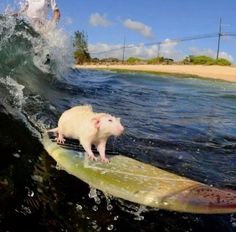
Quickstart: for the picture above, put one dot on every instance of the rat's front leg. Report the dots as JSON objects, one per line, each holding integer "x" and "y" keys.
{"x": 87, "y": 147}
{"x": 101, "y": 147}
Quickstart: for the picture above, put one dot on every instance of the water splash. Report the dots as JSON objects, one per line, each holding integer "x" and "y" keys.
{"x": 135, "y": 210}
{"x": 93, "y": 194}
{"x": 25, "y": 76}
{"x": 15, "y": 90}
{"x": 50, "y": 51}
{"x": 60, "y": 48}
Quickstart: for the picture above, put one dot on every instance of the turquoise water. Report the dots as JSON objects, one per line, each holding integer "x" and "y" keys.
{"x": 184, "y": 125}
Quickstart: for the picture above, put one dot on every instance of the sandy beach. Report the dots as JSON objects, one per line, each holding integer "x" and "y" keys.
{"x": 225, "y": 73}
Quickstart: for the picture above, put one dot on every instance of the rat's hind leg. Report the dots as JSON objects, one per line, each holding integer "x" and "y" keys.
{"x": 60, "y": 138}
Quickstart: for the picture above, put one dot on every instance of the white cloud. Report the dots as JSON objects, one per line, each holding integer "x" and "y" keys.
{"x": 103, "y": 50}
{"x": 226, "y": 56}
{"x": 168, "y": 50}
{"x": 97, "y": 19}
{"x": 209, "y": 52}
{"x": 139, "y": 27}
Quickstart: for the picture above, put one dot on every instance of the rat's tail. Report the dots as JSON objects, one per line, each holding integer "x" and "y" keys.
{"x": 55, "y": 130}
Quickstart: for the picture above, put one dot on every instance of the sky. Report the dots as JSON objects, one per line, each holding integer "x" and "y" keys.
{"x": 109, "y": 24}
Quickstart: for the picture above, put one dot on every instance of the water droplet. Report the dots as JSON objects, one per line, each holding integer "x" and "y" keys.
{"x": 30, "y": 193}
{"x": 116, "y": 218}
{"x": 16, "y": 155}
{"x": 78, "y": 207}
{"x": 109, "y": 207}
{"x": 95, "y": 208}
{"x": 39, "y": 190}
{"x": 110, "y": 227}
{"x": 25, "y": 210}
{"x": 37, "y": 178}
{"x": 139, "y": 218}
{"x": 97, "y": 200}
{"x": 94, "y": 222}
{"x": 59, "y": 167}
{"x": 92, "y": 193}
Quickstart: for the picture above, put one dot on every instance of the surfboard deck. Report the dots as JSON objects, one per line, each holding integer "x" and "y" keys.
{"x": 142, "y": 183}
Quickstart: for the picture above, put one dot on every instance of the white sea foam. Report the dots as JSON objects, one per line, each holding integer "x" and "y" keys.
{"x": 53, "y": 42}
{"x": 60, "y": 48}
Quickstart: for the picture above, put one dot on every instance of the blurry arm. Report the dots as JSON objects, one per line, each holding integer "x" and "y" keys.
{"x": 56, "y": 11}
{"x": 56, "y": 15}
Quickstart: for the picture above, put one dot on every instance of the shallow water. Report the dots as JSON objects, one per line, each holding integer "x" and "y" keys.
{"x": 184, "y": 125}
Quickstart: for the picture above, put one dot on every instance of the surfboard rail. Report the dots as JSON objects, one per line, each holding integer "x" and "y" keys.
{"x": 141, "y": 183}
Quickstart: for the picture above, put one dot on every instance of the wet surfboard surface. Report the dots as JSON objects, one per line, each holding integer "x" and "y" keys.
{"x": 141, "y": 183}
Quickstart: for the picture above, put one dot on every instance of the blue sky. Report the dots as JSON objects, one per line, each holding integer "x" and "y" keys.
{"x": 108, "y": 22}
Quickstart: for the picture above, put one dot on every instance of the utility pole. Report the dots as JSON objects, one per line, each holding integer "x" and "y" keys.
{"x": 123, "y": 57}
{"x": 219, "y": 37}
{"x": 158, "y": 49}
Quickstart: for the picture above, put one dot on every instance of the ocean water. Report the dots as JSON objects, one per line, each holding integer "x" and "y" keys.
{"x": 183, "y": 125}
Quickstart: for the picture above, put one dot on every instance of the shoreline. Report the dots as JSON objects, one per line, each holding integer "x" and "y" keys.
{"x": 215, "y": 72}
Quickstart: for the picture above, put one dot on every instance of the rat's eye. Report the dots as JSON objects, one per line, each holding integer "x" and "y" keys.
{"x": 110, "y": 120}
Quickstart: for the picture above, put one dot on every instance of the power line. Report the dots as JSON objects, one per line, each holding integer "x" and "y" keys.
{"x": 159, "y": 43}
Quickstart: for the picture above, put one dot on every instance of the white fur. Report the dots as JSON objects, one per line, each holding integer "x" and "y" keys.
{"x": 80, "y": 122}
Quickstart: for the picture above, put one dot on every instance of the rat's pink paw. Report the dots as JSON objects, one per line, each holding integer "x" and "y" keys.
{"x": 60, "y": 140}
{"x": 92, "y": 157}
{"x": 104, "y": 160}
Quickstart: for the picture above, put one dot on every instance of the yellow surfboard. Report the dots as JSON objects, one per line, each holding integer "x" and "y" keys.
{"x": 141, "y": 183}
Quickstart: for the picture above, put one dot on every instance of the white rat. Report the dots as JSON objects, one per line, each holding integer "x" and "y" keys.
{"x": 80, "y": 122}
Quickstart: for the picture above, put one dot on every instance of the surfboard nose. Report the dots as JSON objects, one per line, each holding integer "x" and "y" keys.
{"x": 205, "y": 199}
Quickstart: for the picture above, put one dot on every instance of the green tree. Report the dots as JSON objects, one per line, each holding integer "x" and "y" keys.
{"x": 205, "y": 60}
{"x": 81, "y": 53}
{"x": 133, "y": 60}
{"x": 223, "y": 62}
{"x": 156, "y": 60}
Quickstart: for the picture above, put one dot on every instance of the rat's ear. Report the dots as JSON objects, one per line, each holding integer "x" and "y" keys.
{"x": 96, "y": 122}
